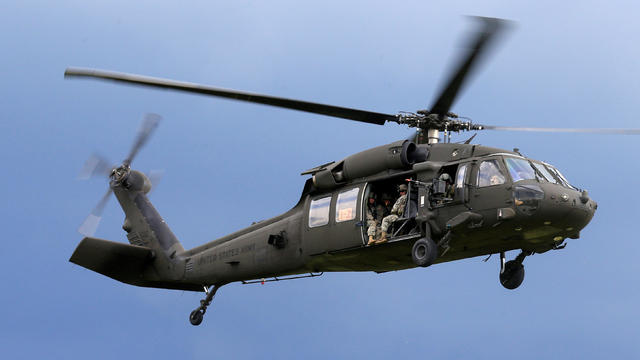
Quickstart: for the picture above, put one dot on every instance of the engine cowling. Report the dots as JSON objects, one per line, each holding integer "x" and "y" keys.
{"x": 397, "y": 155}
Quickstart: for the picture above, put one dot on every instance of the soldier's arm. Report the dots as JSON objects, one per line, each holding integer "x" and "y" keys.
{"x": 396, "y": 206}
{"x": 402, "y": 203}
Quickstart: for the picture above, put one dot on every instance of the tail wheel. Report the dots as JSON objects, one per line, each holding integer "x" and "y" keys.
{"x": 196, "y": 316}
{"x": 424, "y": 252}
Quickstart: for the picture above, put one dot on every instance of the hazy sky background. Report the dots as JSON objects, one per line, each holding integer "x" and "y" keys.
{"x": 228, "y": 164}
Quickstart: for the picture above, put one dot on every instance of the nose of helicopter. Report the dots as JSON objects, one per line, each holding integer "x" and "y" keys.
{"x": 582, "y": 210}
{"x": 572, "y": 208}
{"x": 553, "y": 211}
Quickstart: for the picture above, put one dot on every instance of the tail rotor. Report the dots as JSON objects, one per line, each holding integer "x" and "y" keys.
{"x": 98, "y": 166}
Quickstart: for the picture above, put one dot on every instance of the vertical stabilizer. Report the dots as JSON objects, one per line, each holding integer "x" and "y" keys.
{"x": 144, "y": 225}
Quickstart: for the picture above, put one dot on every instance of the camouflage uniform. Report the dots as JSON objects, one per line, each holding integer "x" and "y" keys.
{"x": 396, "y": 212}
{"x": 372, "y": 219}
{"x": 375, "y": 214}
{"x": 384, "y": 209}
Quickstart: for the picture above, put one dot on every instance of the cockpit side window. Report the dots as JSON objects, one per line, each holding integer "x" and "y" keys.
{"x": 519, "y": 169}
{"x": 489, "y": 174}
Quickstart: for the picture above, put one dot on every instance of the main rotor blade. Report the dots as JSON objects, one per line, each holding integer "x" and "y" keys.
{"x": 90, "y": 224}
{"x": 566, "y": 130}
{"x": 149, "y": 124}
{"x": 476, "y": 48}
{"x": 316, "y": 108}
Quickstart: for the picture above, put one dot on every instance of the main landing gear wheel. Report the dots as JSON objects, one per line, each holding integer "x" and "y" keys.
{"x": 512, "y": 272}
{"x": 513, "y": 275}
{"x": 424, "y": 252}
{"x": 197, "y": 315}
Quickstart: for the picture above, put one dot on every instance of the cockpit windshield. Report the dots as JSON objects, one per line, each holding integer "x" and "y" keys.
{"x": 545, "y": 173}
{"x": 552, "y": 175}
{"x": 524, "y": 169}
{"x": 563, "y": 180}
{"x": 519, "y": 169}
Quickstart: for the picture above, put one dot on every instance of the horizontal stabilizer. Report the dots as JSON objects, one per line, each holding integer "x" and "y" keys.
{"x": 119, "y": 261}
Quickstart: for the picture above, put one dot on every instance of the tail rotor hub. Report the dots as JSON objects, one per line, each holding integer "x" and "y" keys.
{"x": 120, "y": 174}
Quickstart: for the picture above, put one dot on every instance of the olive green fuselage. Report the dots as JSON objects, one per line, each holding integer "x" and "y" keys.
{"x": 288, "y": 245}
{"x": 471, "y": 200}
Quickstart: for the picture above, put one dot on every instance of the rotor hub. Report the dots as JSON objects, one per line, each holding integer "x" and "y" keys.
{"x": 120, "y": 174}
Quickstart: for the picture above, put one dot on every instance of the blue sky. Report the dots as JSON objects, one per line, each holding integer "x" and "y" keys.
{"x": 228, "y": 164}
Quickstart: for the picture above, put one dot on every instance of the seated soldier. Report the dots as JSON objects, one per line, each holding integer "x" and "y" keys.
{"x": 372, "y": 218}
{"x": 396, "y": 212}
{"x": 384, "y": 209}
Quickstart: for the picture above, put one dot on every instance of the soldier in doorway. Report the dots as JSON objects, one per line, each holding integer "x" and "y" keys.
{"x": 384, "y": 209}
{"x": 396, "y": 212}
{"x": 372, "y": 218}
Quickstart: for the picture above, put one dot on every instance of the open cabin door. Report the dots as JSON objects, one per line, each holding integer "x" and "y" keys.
{"x": 385, "y": 194}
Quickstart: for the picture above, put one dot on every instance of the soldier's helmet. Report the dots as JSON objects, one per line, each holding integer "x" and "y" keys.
{"x": 372, "y": 195}
{"x": 445, "y": 177}
{"x": 402, "y": 187}
{"x": 386, "y": 196}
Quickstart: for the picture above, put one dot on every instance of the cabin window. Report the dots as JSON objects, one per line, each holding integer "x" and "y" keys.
{"x": 489, "y": 174}
{"x": 346, "y": 205}
{"x": 519, "y": 169}
{"x": 319, "y": 212}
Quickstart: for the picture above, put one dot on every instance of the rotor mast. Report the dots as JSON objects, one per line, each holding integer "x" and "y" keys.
{"x": 433, "y": 136}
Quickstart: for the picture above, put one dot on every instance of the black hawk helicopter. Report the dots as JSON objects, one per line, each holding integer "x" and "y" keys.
{"x": 458, "y": 200}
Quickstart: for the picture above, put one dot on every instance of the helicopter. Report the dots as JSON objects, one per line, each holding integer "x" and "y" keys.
{"x": 452, "y": 201}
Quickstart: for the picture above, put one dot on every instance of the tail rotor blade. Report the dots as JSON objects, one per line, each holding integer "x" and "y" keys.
{"x": 96, "y": 165}
{"x": 90, "y": 225}
{"x": 148, "y": 125}
{"x": 154, "y": 177}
